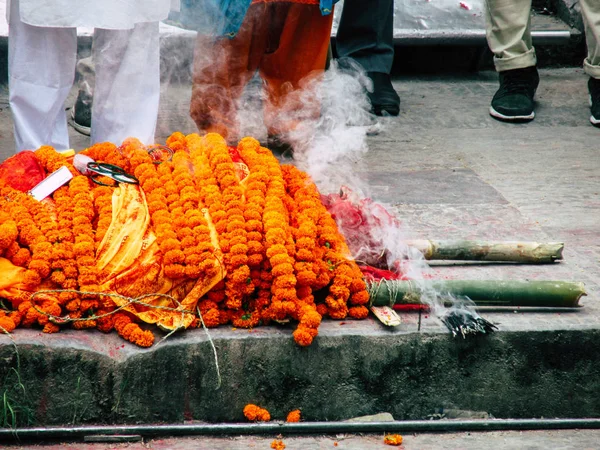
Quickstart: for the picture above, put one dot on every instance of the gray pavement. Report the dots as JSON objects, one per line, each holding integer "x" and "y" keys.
{"x": 500, "y": 440}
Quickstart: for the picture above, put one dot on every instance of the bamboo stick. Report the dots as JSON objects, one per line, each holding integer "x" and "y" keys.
{"x": 514, "y": 251}
{"x": 556, "y": 294}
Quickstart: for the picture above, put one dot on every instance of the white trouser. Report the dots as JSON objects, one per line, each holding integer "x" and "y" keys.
{"x": 590, "y": 10}
{"x": 41, "y": 73}
{"x": 508, "y": 34}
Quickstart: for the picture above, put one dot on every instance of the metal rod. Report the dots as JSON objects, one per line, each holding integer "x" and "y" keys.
{"x": 409, "y": 38}
{"x": 423, "y": 426}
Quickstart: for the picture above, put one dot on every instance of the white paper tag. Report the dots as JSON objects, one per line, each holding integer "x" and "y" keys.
{"x": 386, "y": 315}
{"x": 51, "y": 183}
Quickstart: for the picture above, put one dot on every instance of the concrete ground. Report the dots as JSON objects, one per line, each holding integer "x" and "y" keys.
{"x": 501, "y": 440}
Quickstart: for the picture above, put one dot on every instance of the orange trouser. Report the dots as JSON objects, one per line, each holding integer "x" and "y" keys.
{"x": 287, "y": 43}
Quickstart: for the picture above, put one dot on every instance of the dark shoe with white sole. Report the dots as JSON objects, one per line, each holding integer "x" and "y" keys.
{"x": 81, "y": 115}
{"x": 513, "y": 102}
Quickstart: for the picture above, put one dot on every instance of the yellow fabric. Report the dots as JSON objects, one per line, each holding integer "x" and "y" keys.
{"x": 129, "y": 263}
{"x": 11, "y": 286}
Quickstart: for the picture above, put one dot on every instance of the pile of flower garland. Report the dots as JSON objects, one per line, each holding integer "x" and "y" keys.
{"x": 281, "y": 251}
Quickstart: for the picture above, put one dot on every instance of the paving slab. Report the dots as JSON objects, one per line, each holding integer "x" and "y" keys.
{"x": 447, "y": 170}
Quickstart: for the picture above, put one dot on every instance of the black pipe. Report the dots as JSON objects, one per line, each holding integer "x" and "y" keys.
{"x": 421, "y": 426}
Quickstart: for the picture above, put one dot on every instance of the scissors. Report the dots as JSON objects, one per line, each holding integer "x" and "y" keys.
{"x": 111, "y": 171}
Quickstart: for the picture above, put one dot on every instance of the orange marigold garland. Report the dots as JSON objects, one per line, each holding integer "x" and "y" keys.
{"x": 106, "y": 152}
{"x": 24, "y": 210}
{"x": 211, "y": 198}
{"x": 84, "y": 247}
{"x": 234, "y": 246}
{"x": 306, "y": 206}
{"x": 276, "y": 227}
{"x": 162, "y": 197}
{"x": 131, "y": 331}
{"x": 7, "y": 324}
{"x": 191, "y": 226}
{"x": 279, "y": 244}
{"x": 102, "y": 198}
{"x": 256, "y": 190}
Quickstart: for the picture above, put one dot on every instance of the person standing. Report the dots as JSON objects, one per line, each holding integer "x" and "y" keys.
{"x": 284, "y": 41}
{"x": 42, "y": 58}
{"x": 508, "y": 34}
{"x": 366, "y": 35}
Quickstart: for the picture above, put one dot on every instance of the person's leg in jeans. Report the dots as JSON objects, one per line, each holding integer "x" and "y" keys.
{"x": 127, "y": 90}
{"x": 41, "y": 73}
{"x": 366, "y": 35}
{"x": 508, "y": 35}
{"x": 590, "y": 10}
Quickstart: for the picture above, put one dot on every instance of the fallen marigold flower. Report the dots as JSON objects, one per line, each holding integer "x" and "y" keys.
{"x": 277, "y": 445}
{"x": 293, "y": 416}
{"x": 256, "y": 413}
{"x": 393, "y": 439}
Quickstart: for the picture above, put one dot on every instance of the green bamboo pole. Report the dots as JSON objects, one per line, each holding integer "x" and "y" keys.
{"x": 556, "y": 294}
{"x": 513, "y": 251}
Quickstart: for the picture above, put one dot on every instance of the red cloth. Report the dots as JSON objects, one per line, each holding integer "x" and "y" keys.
{"x": 286, "y": 42}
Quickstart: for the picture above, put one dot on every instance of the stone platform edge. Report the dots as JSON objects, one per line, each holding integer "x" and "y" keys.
{"x": 352, "y": 369}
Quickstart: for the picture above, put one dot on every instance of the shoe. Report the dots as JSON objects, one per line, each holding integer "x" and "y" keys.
{"x": 384, "y": 98}
{"x": 594, "y": 90}
{"x": 81, "y": 115}
{"x": 281, "y": 148}
{"x": 514, "y": 99}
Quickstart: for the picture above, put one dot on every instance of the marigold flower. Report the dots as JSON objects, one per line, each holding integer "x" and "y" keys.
{"x": 293, "y": 416}
{"x": 393, "y": 439}
{"x": 7, "y": 325}
{"x": 277, "y": 445}
{"x": 303, "y": 337}
{"x": 256, "y": 413}
{"x": 358, "y": 312}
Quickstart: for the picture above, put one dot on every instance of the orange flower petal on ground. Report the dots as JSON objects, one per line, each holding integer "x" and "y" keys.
{"x": 393, "y": 439}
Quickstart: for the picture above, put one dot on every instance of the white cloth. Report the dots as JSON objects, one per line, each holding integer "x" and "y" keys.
{"x": 41, "y": 74}
{"x": 109, "y": 14}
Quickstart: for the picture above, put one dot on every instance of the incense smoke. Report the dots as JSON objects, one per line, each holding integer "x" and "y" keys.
{"x": 330, "y": 146}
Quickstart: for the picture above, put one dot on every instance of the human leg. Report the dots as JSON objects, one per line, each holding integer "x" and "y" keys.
{"x": 366, "y": 35}
{"x": 41, "y": 72}
{"x": 295, "y": 60}
{"x": 590, "y": 10}
{"x": 127, "y": 90}
{"x": 222, "y": 69}
{"x": 81, "y": 113}
{"x": 508, "y": 32}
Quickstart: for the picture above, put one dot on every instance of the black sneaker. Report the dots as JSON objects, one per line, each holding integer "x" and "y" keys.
{"x": 514, "y": 99}
{"x": 384, "y": 98}
{"x": 594, "y": 90}
{"x": 81, "y": 115}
